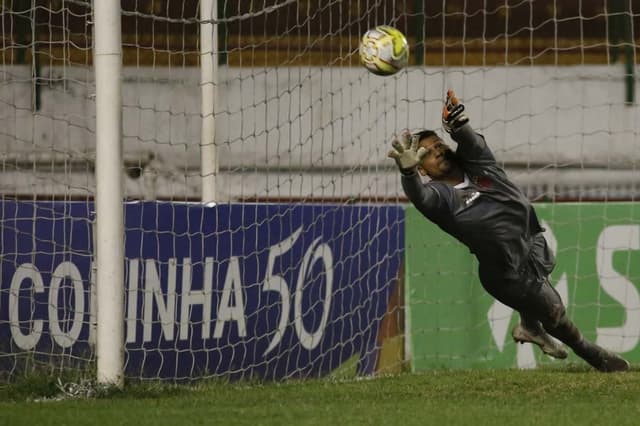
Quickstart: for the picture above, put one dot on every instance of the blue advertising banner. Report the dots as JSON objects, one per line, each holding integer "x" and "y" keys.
{"x": 240, "y": 290}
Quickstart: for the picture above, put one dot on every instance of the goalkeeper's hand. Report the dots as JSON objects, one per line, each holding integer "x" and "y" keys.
{"x": 406, "y": 152}
{"x": 453, "y": 116}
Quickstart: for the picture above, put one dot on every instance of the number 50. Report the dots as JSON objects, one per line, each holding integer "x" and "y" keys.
{"x": 277, "y": 283}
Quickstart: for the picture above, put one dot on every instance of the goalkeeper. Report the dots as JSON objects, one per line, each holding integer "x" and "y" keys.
{"x": 471, "y": 198}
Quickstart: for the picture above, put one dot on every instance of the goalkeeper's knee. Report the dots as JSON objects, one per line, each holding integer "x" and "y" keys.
{"x": 548, "y": 303}
{"x": 567, "y": 332}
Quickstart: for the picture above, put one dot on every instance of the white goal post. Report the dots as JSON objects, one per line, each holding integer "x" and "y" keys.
{"x": 109, "y": 244}
{"x": 208, "y": 78}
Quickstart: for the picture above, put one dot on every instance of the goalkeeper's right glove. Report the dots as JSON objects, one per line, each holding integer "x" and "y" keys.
{"x": 453, "y": 116}
{"x": 406, "y": 152}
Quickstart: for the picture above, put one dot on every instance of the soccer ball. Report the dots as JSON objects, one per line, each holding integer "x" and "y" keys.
{"x": 384, "y": 50}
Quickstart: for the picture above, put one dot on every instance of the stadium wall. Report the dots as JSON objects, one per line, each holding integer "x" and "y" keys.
{"x": 295, "y": 132}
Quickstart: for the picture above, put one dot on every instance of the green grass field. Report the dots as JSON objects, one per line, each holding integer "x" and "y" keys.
{"x": 505, "y": 397}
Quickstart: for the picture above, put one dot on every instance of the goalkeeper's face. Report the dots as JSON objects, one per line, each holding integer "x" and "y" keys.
{"x": 438, "y": 161}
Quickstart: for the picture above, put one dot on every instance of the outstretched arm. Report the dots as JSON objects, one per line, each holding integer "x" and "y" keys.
{"x": 424, "y": 197}
{"x": 471, "y": 145}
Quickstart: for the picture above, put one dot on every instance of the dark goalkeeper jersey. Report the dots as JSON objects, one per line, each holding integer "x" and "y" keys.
{"x": 487, "y": 213}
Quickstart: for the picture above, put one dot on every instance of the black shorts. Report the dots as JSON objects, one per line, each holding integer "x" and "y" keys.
{"x": 530, "y": 292}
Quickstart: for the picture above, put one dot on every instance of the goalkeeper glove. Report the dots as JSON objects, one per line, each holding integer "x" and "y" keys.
{"x": 453, "y": 116}
{"x": 406, "y": 152}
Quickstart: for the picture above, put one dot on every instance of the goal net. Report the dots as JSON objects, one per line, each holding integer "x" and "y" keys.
{"x": 286, "y": 272}
{"x": 264, "y": 225}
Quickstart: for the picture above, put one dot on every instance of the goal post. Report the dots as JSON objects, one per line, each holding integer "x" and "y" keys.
{"x": 208, "y": 78}
{"x": 109, "y": 195}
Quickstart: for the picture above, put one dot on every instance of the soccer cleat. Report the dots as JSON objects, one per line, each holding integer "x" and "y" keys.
{"x": 612, "y": 362}
{"x": 604, "y": 360}
{"x": 543, "y": 340}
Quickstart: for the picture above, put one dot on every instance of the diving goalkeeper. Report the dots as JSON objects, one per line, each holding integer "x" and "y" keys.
{"x": 471, "y": 198}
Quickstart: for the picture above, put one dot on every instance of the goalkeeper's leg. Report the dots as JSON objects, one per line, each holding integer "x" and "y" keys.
{"x": 596, "y": 356}
{"x": 547, "y": 306}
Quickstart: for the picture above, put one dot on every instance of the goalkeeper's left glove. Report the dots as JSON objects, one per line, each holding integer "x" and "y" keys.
{"x": 453, "y": 116}
{"x": 406, "y": 152}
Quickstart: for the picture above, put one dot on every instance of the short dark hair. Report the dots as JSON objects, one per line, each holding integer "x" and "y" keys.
{"x": 423, "y": 134}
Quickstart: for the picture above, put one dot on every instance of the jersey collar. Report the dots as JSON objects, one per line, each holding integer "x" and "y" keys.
{"x": 464, "y": 183}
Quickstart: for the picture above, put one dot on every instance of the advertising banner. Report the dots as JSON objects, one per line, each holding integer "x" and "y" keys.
{"x": 239, "y": 290}
{"x": 453, "y": 323}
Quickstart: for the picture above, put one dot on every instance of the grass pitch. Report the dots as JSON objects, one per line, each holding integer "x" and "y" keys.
{"x": 570, "y": 396}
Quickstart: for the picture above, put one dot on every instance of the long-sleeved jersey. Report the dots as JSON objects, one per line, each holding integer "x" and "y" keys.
{"x": 488, "y": 213}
